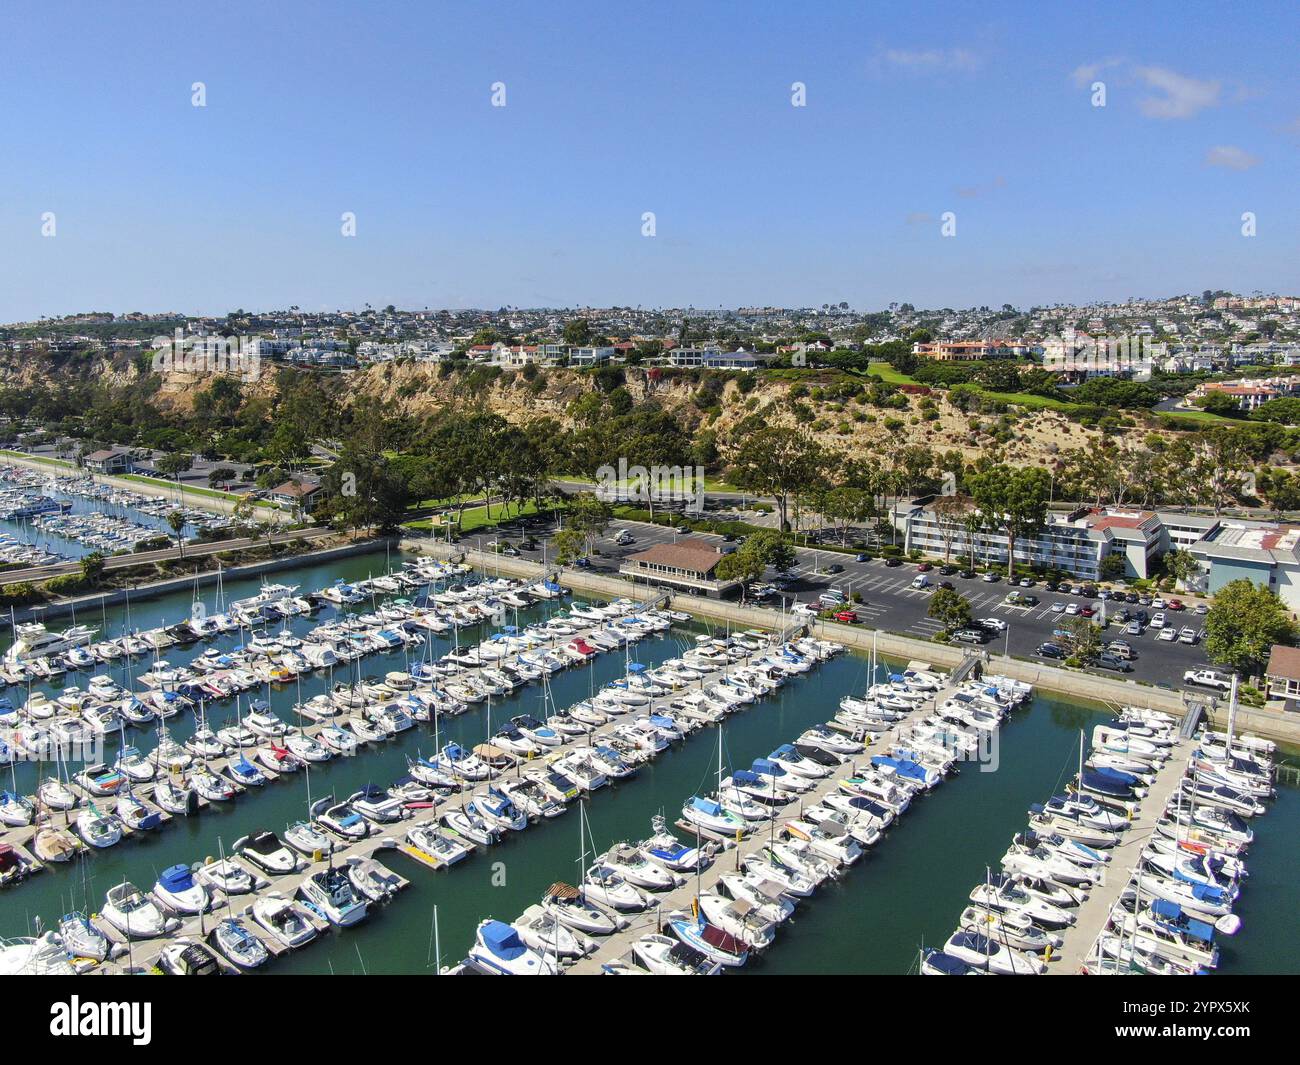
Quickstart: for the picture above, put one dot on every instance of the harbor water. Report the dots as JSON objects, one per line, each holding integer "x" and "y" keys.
{"x": 907, "y": 892}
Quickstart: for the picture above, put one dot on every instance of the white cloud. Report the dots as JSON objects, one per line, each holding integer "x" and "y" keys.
{"x": 1179, "y": 96}
{"x": 1086, "y": 73}
{"x": 932, "y": 60}
{"x": 1231, "y": 157}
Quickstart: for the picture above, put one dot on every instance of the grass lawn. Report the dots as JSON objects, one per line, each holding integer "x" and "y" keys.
{"x": 1198, "y": 416}
{"x": 475, "y": 519}
{"x": 889, "y": 375}
{"x": 38, "y": 458}
{"x": 211, "y": 493}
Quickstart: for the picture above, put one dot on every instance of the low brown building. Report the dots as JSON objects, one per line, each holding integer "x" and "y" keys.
{"x": 688, "y": 563}
{"x": 1283, "y": 675}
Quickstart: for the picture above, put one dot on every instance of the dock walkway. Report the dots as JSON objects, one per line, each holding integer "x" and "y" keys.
{"x": 1095, "y": 909}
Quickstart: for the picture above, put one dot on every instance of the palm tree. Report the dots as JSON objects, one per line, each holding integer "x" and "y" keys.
{"x": 177, "y": 521}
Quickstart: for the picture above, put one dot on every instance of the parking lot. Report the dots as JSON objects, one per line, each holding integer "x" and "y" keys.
{"x": 890, "y": 602}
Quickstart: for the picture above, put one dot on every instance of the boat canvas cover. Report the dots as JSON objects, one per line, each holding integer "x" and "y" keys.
{"x": 767, "y": 768}
{"x": 8, "y": 857}
{"x": 707, "y": 806}
{"x": 176, "y": 878}
{"x": 1171, "y": 913}
{"x": 723, "y": 941}
{"x": 502, "y": 940}
{"x": 744, "y": 776}
{"x": 1095, "y": 781}
{"x": 947, "y": 964}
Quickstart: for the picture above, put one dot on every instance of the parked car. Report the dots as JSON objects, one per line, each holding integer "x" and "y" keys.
{"x": 924, "y": 567}
{"x": 1027, "y": 582}
{"x": 1051, "y": 650}
{"x": 1059, "y": 608}
{"x": 1111, "y": 662}
{"x": 948, "y": 569}
{"x": 990, "y": 578}
{"x": 1086, "y": 612}
{"x": 1202, "y": 609}
{"x": 969, "y": 636}
{"x": 948, "y": 585}
{"x": 833, "y": 597}
{"x": 921, "y": 583}
{"x": 1174, "y": 604}
{"x": 834, "y": 568}
{"x": 1120, "y": 649}
{"x": 625, "y": 539}
{"x": 992, "y": 624}
{"x": 893, "y": 562}
{"x": 1186, "y": 635}
{"x": 1168, "y": 635}
{"x": 1072, "y": 609}
{"x": 966, "y": 574}
{"x": 849, "y": 617}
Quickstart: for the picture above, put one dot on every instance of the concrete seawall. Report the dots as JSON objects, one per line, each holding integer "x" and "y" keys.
{"x": 1078, "y": 685}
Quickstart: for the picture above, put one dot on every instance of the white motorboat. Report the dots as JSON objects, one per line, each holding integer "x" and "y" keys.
{"x": 286, "y": 920}
{"x": 498, "y": 950}
{"x": 238, "y": 945}
{"x": 132, "y": 913}
{"x": 981, "y": 952}
{"x": 566, "y": 905}
{"x": 98, "y": 829}
{"x": 331, "y": 893}
{"x": 179, "y": 891}
{"x": 265, "y": 851}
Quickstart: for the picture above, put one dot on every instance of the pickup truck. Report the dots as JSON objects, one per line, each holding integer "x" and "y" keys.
{"x": 1207, "y": 678}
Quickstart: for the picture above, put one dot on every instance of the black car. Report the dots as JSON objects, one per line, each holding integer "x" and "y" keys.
{"x": 1052, "y": 586}
{"x": 1063, "y": 587}
{"x": 834, "y": 567}
{"x": 948, "y": 585}
{"x": 1131, "y": 597}
{"x": 728, "y": 538}
{"x": 947, "y": 570}
{"x": 966, "y": 574}
{"x": 1090, "y": 591}
{"x": 1051, "y": 650}
{"x": 893, "y": 562}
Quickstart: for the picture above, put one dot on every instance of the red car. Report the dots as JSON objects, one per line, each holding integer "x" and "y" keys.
{"x": 924, "y": 567}
{"x": 847, "y": 616}
{"x": 1086, "y": 612}
{"x": 1174, "y": 604}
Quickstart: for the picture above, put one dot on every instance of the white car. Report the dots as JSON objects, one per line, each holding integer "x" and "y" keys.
{"x": 1168, "y": 635}
{"x": 1072, "y": 608}
{"x": 1157, "y": 603}
{"x": 1057, "y": 608}
{"x": 806, "y": 609}
{"x": 1157, "y": 620}
{"x": 1187, "y": 636}
{"x": 993, "y": 624}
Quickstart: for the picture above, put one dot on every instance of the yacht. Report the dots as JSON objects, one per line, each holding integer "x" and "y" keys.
{"x": 179, "y": 891}
{"x": 331, "y": 892}
{"x": 33, "y": 640}
{"x": 285, "y": 920}
{"x": 133, "y": 913}
{"x": 498, "y": 950}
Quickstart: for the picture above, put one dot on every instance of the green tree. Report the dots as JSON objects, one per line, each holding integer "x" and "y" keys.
{"x": 569, "y": 543}
{"x": 1181, "y": 565}
{"x": 589, "y": 516}
{"x": 1085, "y": 638}
{"x": 1013, "y": 500}
{"x": 950, "y": 608}
{"x": 92, "y": 568}
{"x": 781, "y": 462}
{"x": 1242, "y": 626}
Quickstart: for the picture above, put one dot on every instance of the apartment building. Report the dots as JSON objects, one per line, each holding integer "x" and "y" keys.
{"x": 971, "y": 350}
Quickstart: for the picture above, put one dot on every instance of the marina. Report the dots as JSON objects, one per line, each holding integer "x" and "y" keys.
{"x": 398, "y": 935}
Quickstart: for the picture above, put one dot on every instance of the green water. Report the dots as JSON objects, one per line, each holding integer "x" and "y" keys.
{"x": 907, "y": 891}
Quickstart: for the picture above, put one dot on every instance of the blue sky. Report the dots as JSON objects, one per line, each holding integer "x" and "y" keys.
{"x": 684, "y": 110}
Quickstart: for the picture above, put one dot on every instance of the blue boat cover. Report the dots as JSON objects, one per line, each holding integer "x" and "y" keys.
{"x": 767, "y": 768}
{"x": 176, "y": 878}
{"x": 946, "y": 963}
{"x": 706, "y": 806}
{"x": 1171, "y": 913}
{"x": 501, "y": 940}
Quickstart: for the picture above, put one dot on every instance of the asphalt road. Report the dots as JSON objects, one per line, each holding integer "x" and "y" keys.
{"x": 891, "y": 604}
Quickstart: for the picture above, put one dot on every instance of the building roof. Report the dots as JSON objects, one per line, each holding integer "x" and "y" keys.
{"x": 1284, "y": 662}
{"x": 295, "y": 488}
{"x": 109, "y": 453}
{"x": 691, "y": 555}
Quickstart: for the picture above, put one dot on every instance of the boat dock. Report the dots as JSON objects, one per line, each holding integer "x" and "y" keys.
{"x": 619, "y": 945}
{"x": 1094, "y": 911}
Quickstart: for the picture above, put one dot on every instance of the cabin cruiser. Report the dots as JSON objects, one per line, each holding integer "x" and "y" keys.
{"x": 663, "y": 956}
{"x": 179, "y": 891}
{"x": 498, "y": 950}
{"x": 566, "y": 905}
{"x": 376, "y": 805}
{"x": 541, "y": 931}
{"x": 226, "y": 876}
{"x": 606, "y": 887}
{"x": 708, "y": 939}
{"x": 330, "y": 891}
{"x": 176, "y": 797}
{"x": 471, "y": 825}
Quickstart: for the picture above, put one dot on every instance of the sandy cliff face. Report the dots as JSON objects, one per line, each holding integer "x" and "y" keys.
{"x": 824, "y": 403}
